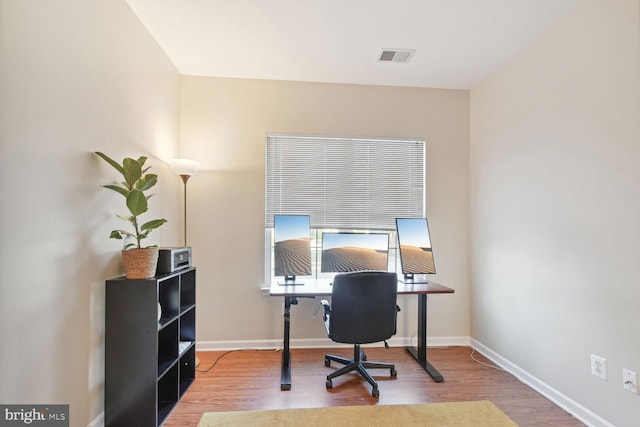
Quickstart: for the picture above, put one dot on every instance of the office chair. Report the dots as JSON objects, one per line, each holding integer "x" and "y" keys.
{"x": 362, "y": 310}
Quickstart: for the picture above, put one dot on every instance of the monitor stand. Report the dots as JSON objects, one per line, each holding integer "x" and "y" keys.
{"x": 410, "y": 278}
{"x": 290, "y": 281}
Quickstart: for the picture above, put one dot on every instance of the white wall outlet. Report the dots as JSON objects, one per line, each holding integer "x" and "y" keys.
{"x": 630, "y": 380}
{"x": 599, "y": 366}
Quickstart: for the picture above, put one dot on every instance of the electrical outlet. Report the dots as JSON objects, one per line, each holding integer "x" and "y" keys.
{"x": 599, "y": 366}
{"x": 630, "y": 380}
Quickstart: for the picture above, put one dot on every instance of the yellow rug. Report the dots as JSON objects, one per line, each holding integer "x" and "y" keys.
{"x": 452, "y": 414}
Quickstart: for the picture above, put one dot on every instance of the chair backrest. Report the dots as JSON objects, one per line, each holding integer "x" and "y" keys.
{"x": 363, "y": 307}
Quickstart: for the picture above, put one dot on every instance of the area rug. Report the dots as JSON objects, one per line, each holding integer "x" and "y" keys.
{"x": 451, "y": 414}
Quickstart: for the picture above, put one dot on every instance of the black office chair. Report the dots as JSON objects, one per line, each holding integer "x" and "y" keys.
{"x": 362, "y": 310}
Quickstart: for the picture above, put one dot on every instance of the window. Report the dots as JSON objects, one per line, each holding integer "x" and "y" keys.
{"x": 343, "y": 183}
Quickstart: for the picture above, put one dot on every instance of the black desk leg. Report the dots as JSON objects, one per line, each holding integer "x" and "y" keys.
{"x": 285, "y": 372}
{"x": 420, "y": 354}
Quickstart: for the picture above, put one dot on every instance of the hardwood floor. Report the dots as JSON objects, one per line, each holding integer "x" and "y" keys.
{"x": 250, "y": 380}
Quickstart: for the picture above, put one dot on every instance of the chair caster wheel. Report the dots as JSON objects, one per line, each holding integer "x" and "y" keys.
{"x": 329, "y": 384}
{"x": 394, "y": 373}
{"x": 375, "y": 392}
{"x": 327, "y": 362}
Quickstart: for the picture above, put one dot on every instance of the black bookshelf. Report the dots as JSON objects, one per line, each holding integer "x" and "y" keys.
{"x": 149, "y": 363}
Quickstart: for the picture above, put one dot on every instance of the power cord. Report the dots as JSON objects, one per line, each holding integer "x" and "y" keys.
{"x": 473, "y": 351}
{"x": 215, "y": 362}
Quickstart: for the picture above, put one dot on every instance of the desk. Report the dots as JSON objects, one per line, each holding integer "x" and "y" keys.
{"x": 314, "y": 288}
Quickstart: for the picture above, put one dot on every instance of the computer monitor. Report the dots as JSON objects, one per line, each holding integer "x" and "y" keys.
{"x": 292, "y": 248}
{"x": 343, "y": 252}
{"x": 416, "y": 254}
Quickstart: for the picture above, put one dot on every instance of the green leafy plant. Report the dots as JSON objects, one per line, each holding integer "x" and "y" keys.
{"x": 136, "y": 182}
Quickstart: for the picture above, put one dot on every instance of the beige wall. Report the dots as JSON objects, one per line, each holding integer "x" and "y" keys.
{"x": 76, "y": 76}
{"x": 555, "y": 212}
{"x": 223, "y": 125}
{"x": 552, "y": 210}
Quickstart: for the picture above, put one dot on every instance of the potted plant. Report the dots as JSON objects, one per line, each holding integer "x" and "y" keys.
{"x": 139, "y": 262}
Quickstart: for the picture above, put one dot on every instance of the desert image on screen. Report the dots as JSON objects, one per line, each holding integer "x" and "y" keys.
{"x": 292, "y": 248}
{"x": 416, "y": 253}
{"x": 417, "y": 260}
{"x": 293, "y": 257}
{"x": 354, "y": 252}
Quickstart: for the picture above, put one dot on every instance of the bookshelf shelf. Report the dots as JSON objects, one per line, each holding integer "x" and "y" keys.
{"x": 149, "y": 363}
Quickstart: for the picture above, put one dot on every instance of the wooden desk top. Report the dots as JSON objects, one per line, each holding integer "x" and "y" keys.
{"x": 322, "y": 287}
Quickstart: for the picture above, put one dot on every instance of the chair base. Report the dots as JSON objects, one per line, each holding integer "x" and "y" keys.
{"x": 359, "y": 364}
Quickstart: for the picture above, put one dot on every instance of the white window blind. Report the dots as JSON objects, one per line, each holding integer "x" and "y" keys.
{"x": 345, "y": 183}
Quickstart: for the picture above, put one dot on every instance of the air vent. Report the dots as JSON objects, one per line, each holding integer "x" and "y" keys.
{"x": 396, "y": 55}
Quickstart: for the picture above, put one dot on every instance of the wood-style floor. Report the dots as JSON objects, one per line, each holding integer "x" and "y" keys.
{"x": 250, "y": 380}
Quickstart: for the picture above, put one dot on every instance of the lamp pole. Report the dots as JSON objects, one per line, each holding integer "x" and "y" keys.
{"x": 185, "y": 178}
{"x": 185, "y": 169}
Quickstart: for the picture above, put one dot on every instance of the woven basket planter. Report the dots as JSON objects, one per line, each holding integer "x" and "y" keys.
{"x": 140, "y": 263}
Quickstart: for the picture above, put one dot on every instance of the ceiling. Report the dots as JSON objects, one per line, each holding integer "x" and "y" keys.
{"x": 457, "y": 42}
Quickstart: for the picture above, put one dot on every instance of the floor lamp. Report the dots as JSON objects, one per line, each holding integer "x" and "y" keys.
{"x": 185, "y": 168}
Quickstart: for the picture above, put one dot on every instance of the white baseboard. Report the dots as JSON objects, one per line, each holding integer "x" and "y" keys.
{"x": 574, "y": 408}
{"x": 323, "y": 343}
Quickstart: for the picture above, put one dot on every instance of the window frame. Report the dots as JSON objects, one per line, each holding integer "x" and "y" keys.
{"x": 415, "y": 207}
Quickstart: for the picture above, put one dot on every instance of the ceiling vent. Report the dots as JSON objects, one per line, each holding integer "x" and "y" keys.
{"x": 396, "y": 55}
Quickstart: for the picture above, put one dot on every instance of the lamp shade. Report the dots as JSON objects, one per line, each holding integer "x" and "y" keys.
{"x": 184, "y": 166}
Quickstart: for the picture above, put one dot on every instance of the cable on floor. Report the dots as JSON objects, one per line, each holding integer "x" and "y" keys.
{"x": 215, "y": 362}
{"x": 473, "y": 351}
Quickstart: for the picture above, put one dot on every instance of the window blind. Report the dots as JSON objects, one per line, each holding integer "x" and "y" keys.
{"x": 344, "y": 183}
